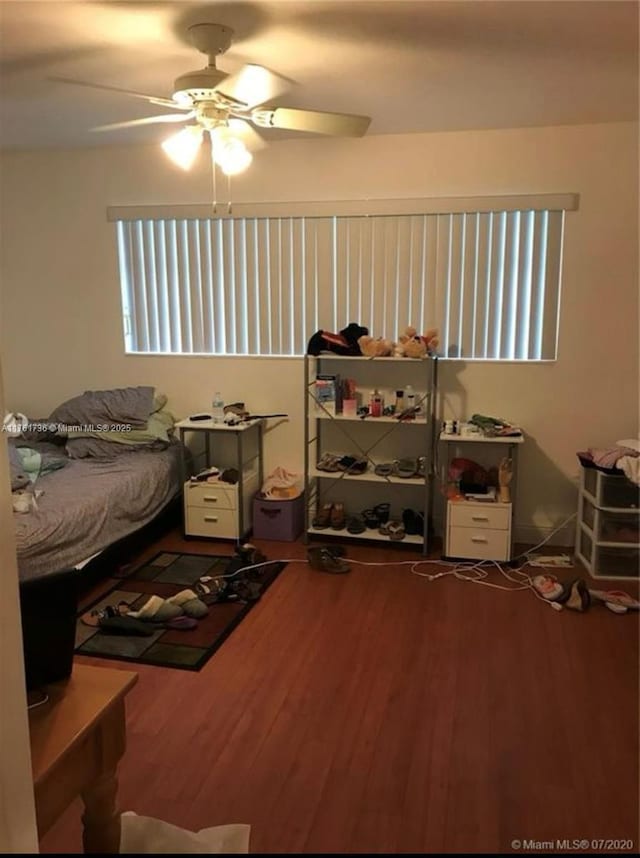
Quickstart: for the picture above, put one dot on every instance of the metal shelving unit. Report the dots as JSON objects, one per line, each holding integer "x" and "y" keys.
{"x": 380, "y": 439}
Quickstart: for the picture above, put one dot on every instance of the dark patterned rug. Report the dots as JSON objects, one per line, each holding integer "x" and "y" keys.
{"x": 165, "y": 575}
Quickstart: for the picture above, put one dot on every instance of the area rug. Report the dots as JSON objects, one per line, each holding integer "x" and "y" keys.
{"x": 165, "y": 575}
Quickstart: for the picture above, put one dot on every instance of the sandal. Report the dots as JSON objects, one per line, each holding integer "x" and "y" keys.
{"x": 338, "y": 516}
{"x": 322, "y": 519}
{"x": 406, "y": 468}
{"x": 328, "y": 462}
{"x": 393, "y": 529}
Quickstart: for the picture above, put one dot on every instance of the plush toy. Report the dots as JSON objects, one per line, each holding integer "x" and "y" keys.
{"x": 432, "y": 340}
{"x": 344, "y": 343}
{"x": 375, "y": 347}
{"x": 412, "y": 345}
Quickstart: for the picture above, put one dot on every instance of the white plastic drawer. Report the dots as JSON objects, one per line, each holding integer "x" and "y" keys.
{"x": 211, "y": 495}
{"x": 221, "y": 523}
{"x": 478, "y": 543}
{"x": 484, "y": 515}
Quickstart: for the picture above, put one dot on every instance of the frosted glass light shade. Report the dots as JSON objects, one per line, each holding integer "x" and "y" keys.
{"x": 183, "y": 147}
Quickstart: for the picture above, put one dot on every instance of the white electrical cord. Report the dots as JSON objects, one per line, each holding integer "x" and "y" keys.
{"x": 474, "y": 572}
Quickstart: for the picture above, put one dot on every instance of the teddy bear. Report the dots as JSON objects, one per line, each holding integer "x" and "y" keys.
{"x": 412, "y": 345}
{"x": 375, "y": 346}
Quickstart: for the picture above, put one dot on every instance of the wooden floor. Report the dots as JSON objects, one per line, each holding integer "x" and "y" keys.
{"x": 381, "y": 712}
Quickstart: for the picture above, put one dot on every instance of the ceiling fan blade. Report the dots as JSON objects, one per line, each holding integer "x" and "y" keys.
{"x": 146, "y": 120}
{"x": 319, "y": 122}
{"x": 252, "y": 85}
{"x": 247, "y": 133}
{"x": 154, "y": 99}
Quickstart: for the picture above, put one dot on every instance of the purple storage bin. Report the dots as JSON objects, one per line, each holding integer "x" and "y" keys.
{"x": 281, "y": 520}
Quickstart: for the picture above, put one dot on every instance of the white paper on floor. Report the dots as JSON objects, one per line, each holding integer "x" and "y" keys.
{"x": 146, "y": 835}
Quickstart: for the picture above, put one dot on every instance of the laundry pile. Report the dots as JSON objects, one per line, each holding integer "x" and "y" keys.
{"x": 622, "y": 458}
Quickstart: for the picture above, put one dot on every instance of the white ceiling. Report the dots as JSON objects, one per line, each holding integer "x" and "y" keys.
{"x": 412, "y": 66}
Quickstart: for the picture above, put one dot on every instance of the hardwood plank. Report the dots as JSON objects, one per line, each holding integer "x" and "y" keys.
{"x": 380, "y": 712}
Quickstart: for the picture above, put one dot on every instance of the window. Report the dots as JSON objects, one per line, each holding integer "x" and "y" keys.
{"x": 488, "y": 278}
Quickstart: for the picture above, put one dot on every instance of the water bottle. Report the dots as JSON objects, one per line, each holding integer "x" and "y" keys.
{"x": 409, "y": 397}
{"x": 217, "y": 408}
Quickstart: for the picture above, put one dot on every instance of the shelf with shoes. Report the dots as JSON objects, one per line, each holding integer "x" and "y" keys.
{"x": 393, "y": 457}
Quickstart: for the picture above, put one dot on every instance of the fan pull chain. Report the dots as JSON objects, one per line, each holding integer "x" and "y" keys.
{"x": 229, "y": 194}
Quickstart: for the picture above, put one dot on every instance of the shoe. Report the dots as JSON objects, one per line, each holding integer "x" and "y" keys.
{"x": 323, "y": 560}
{"x": 356, "y": 524}
{"x": 393, "y": 529}
{"x": 322, "y": 519}
{"x": 338, "y": 516}
{"x": 575, "y": 596}
{"x": 413, "y": 522}
{"x": 548, "y": 587}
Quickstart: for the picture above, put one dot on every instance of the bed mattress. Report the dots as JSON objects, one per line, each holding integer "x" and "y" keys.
{"x": 90, "y": 504}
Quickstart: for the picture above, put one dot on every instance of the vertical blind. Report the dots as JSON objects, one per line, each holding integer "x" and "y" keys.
{"x": 488, "y": 280}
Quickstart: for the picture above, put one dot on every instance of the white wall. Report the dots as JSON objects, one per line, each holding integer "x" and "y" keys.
{"x": 61, "y": 328}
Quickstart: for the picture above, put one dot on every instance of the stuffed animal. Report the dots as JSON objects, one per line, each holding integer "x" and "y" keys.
{"x": 344, "y": 343}
{"x": 412, "y": 345}
{"x": 375, "y": 347}
{"x": 432, "y": 340}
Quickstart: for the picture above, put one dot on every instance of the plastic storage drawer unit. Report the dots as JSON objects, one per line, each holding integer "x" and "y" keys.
{"x": 281, "y": 520}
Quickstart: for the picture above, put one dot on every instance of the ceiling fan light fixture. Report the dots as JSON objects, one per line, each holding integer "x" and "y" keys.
{"x": 183, "y": 147}
{"x": 231, "y": 155}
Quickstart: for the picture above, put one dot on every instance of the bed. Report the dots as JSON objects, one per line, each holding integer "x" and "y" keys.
{"x": 102, "y": 492}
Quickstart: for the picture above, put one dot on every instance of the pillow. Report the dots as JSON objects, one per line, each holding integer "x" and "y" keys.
{"x": 130, "y": 405}
{"x": 19, "y": 477}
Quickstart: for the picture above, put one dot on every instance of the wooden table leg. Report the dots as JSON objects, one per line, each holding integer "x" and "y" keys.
{"x": 101, "y": 817}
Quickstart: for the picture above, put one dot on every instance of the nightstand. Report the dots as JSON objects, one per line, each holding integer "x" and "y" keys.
{"x": 216, "y": 509}
{"x": 480, "y": 530}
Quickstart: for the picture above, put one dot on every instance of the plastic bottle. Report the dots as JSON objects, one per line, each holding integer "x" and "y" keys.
{"x": 409, "y": 397}
{"x": 375, "y": 404}
{"x": 399, "y": 406}
{"x": 217, "y": 408}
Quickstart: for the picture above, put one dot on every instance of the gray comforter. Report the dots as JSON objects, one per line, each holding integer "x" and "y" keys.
{"x": 90, "y": 504}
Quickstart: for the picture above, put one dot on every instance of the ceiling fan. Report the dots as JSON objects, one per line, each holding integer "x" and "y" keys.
{"x": 226, "y": 106}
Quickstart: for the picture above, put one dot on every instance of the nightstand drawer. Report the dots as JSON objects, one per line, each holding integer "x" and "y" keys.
{"x": 478, "y": 543}
{"x": 222, "y": 523}
{"x": 211, "y": 495}
{"x": 484, "y": 515}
